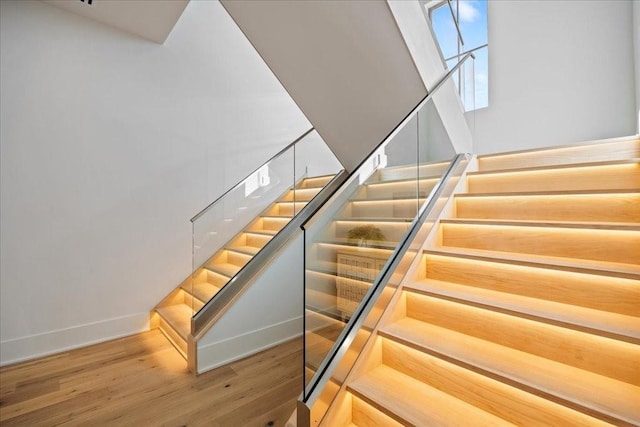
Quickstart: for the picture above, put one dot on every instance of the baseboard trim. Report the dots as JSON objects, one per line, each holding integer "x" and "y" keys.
{"x": 214, "y": 355}
{"x": 44, "y": 344}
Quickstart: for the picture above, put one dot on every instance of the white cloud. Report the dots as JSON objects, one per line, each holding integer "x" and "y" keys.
{"x": 468, "y": 12}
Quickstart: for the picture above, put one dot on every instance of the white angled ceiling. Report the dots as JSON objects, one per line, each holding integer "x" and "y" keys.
{"x": 150, "y": 19}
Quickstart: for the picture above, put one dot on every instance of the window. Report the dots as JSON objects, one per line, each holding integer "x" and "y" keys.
{"x": 460, "y": 26}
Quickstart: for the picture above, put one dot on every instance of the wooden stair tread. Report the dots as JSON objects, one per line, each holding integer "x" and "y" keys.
{"x": 246, "y": 250}
{"x": 597, "y": 143}
{"x": 555, "y": 167}
{"x": 495, "y": 397}
{"x": 319, "y": 181}
{"x": 178, "y": 316}
{"x": 530, "y": 372}
{"x": 599, "y": 321}
{"x": 577, "y": 207}
{"x": 224, "y": 268}
{"x": 387, "y": 199}
{"x": 377, "y": 181}
{"x": 571, "y": 264}
{"x": 586, "y": 225}
{"x": 414, "y": 403}
{"x": 261, "y": 231}
{"x": 204, "y": 291}
{"x": 376, "y": 219}
{"x": 558, "y": 193}
{"x": 608, "y": 149}
{"x": 385, "y": 248}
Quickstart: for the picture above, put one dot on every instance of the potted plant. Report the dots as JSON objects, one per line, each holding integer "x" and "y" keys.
{"x": 364, "y": 234}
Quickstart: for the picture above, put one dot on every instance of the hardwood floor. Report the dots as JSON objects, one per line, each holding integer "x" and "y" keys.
{"x": 141, "y": 380}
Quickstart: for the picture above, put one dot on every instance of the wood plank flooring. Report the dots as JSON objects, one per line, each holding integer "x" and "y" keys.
{"x": 142, "y": 381}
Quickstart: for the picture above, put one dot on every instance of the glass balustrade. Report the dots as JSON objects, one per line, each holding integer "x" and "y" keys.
{"x": 229, "y": 232}
{"x": 358, "y": 246}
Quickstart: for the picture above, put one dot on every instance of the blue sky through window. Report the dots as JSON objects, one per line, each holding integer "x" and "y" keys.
{"x": 473, "y": 26}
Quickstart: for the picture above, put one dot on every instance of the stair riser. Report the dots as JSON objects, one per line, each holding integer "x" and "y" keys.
{"x": 275, "y": 224}
{"x": 300, "y": 195}
{"x": 614, "y": 359}
{"x": 398, "y": 190}
{"x": 608, "y": 177}
{"x": 606, "y": 151}
{"x": 604, "y": 293}
{"x": 216, "y": 280}
{"x": 175, "y": 339}
{"x": 285, "y": 209}
{"x": 365, "y": 415}
{"x": 409, "y": 172}
{"x": 597, "y": 208}
{"x": 328, "y": 254}
{"x": 256, "y": 240}
{"x": 384, "y": 209}
{"x": 393, "y": 232}
{"x": 193, "y": 302}
{"x": 238, "y": 259}
{"x": 591, "y": 244}
{"x": 504, "y": 401}
{"x": 318, "y": 182}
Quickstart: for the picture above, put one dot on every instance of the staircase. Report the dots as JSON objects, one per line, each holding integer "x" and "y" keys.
{"x": 354, "y": 245}
{"x": 526, "y": 310}
{"x": 173, "y": 315}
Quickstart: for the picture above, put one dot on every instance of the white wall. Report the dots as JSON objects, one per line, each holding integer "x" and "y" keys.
{"x": 559, "y": 72}
{"x": 344, "y": 62}
{"x": 109, "y": 144}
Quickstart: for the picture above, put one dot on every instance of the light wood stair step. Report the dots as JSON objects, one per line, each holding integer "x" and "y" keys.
{"x": 566, "y": 365}
{"x": 247, "y": 250}
{"x": 364, "y": 414}
{"x": 300, "y": 195}
{"x": 382, "y": 208}
{"x": 611, "y": 243}
{"x": 617, "y": 175}
{"x": 316, "y": 181}
{"x": 285, "y": 209}
{"x": 365, "y": 220}
{"x": 552, "y": 206}
{"x": 202, "y": 291}
{"x": 224, "y": 269}
{"x": 175, "y": 324}
{"x": 600, "y": 322}
{"x": 602, "y": 150}
{"x": 584, "y": 288}
{"x": 391, "y": 230}
{"x": 412, "y": 402}
{"x": 392, "y": 173}
{"x": 612, "y": 269}
{"x": 398, "y": 189}
{"x": 500, "y": 399}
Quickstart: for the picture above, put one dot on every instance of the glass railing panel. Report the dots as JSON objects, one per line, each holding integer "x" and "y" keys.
{"x": 222, "y": 224}
{"x": 231, "y": 231}
{"x": 351, "y": 241}
{"x": 351, "y": 273}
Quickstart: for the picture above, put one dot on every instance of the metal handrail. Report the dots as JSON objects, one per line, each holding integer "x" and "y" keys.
{"x": 278, "y": 154}
{"x": 467, "y": 51}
